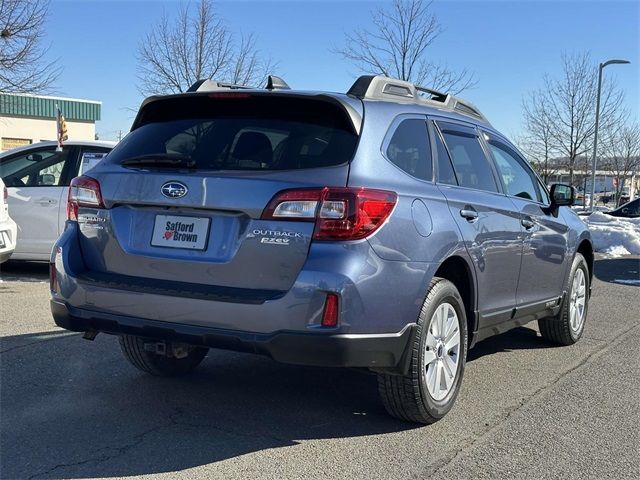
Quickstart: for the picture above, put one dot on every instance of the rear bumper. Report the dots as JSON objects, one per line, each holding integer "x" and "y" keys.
{"x": 386, "y": 351}
{"x": 377, "y": 297}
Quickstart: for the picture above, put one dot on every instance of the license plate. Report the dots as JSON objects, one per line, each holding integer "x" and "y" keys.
{"x": 180, "y": 232}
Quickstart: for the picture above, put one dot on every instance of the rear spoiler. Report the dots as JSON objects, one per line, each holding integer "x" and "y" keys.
{"x": 352, "y": 107}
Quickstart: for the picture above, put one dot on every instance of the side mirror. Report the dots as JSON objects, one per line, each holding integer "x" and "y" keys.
{"x": 562, "y": 195}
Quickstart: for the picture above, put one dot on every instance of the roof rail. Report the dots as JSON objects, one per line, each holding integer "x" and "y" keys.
{"x": 379, "y": 87}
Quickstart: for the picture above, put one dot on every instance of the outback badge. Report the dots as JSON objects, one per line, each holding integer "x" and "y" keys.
{"x": 174, "y": 190}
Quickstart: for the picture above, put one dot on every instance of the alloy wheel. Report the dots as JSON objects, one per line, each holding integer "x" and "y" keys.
{"x": 577, "y": 301}
{"x": 442, "y": 351}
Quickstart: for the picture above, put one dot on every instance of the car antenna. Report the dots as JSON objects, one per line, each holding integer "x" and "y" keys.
{"x": 276, "y": 83}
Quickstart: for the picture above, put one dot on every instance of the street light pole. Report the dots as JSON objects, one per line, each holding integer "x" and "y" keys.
{"x": 595, "y": 133}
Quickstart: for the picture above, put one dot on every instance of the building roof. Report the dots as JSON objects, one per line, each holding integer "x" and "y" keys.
{"x": 18, "y": 105}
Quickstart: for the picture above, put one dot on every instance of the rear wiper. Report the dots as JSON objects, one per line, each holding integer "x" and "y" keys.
{"x": 160, "y": 160}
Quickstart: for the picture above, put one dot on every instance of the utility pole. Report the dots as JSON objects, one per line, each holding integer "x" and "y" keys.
{"x": 595, "y": 133}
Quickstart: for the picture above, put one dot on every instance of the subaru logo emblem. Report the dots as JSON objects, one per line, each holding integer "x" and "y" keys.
{"x": 174, "y": 190}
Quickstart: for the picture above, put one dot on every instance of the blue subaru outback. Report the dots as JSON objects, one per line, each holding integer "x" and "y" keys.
{"x": 389, "y": 228}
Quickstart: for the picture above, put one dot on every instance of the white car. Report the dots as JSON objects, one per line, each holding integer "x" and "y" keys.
{"x": 37, "y": 179}
{"x": 8, "y": 227}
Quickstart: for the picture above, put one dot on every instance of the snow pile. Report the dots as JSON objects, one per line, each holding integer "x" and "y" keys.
{"x": 613, "y": 235}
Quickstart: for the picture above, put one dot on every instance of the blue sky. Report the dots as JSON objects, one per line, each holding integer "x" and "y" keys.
{"x": 509, "y": 45}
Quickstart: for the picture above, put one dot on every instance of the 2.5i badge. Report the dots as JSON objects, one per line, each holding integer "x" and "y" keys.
{"x": 180, "y": 232}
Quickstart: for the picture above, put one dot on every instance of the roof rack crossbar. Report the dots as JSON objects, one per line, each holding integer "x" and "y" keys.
{"x": 379, "y": 87}
{"x": 208, "y": 85}
{"x": 435, "y": 95}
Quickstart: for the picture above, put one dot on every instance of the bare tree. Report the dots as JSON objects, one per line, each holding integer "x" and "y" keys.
{"x": 23, "y": 68}
{"x": 397, "y": 47}
{"x": 197, "y": 45}
{"x": 622, "y": 151}
{"x": 569, "y": 103}
{"x": 537, "y": 139}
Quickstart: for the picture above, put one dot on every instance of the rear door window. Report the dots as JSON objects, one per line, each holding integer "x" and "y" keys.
{"x": 243, "y": 132}
{"x": 89, "y": 158}
{"x": 409, "y": 148}
{"x": 471, "y": 166}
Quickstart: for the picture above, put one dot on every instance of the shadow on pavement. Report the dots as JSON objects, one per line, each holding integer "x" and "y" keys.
{"x": 521, "y": 338}
{"x": 76, "y": 409}
{"x": 625, "y": 271}
{"x": 24, "y": 271}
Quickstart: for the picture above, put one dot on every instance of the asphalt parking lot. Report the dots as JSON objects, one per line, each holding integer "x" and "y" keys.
{"x": 71, "y": 408}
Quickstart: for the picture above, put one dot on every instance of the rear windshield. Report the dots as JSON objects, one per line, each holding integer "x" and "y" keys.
{"x": 242, "y": 132}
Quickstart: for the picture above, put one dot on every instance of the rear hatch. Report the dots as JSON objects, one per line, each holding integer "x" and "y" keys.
{"x": 185, "y": 191}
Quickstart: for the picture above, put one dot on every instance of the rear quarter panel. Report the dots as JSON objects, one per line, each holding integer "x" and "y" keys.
{"x": 420, "y": 233}
{"x": 421, "y": 228}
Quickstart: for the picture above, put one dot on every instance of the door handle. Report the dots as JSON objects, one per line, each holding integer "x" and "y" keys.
{"x": 469, "y": 213}
{"x": 47, "y": 201}
{"x": 527, "y": 223}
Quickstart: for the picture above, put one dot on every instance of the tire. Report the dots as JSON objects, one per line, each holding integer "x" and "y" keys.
{"x": 160, "y": 365}
{"x": 566, "y": 328}
{"x": 416, "y": 396}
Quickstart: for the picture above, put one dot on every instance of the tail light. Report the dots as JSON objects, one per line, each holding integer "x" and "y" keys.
{"x": 83, "y": 192}
{"x": 5, "y": 194}
{"x": 339, "y": 213}
{"x": 330, "y": 312}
